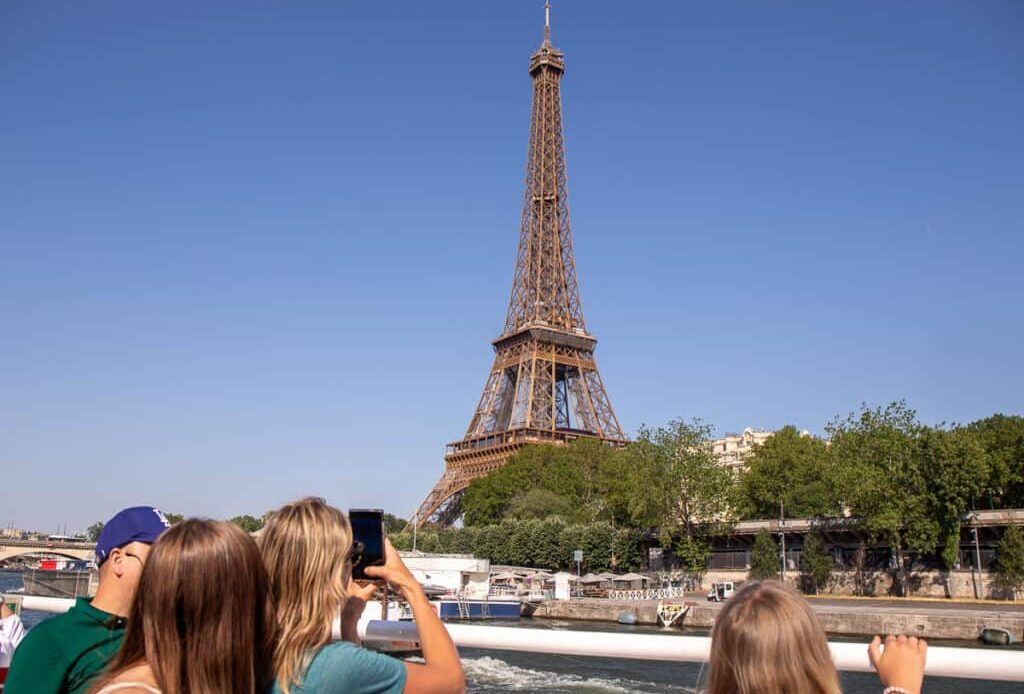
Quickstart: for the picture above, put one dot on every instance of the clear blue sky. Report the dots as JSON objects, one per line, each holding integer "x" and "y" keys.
{"x": 252, "y": 250}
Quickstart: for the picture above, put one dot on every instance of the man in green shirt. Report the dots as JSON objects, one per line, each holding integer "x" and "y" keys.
{"x": 63, "y": 655}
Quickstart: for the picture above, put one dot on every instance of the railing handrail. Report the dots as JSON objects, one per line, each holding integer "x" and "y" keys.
{"x": 648, "y": 593}
{"x": 943, "y": 661}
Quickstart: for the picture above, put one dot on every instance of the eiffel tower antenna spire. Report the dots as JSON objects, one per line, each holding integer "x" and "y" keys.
{"x": 544, "y": 386}
{"x": 547, "y": 22}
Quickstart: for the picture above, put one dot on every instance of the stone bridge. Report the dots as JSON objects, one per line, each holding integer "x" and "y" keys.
{"x": 71, "y": 550}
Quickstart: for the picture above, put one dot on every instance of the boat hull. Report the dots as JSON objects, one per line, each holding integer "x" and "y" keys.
{"x": 478, "y": 609}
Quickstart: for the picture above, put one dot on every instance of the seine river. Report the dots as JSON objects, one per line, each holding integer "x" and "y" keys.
{"x": 502, "y": 671}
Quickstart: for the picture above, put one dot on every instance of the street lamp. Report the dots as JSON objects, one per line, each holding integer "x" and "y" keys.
{"x": 782, "y": 536}
{"x": 977, "y": 555}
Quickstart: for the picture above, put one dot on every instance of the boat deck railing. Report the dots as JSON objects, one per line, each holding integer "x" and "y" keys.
{"x": 943, "y": 661}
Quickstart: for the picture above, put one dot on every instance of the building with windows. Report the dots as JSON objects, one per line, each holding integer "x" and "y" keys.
{"x": 732, "y": 449}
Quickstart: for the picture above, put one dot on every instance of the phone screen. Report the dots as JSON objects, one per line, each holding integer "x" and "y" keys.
{"x": 368, "y": 539}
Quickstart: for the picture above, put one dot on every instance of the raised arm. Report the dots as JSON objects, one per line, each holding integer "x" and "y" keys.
{"x": 442, "y": 671}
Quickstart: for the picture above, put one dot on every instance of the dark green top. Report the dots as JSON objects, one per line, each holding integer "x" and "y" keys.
{"x": 63, "y": 654}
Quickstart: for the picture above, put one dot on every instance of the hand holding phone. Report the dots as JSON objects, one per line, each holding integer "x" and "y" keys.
{"x": 367, "y": 540}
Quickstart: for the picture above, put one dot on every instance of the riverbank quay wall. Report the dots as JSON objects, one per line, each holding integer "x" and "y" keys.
{"x": 858, "y": 618}
{"x": 956, "y": 585}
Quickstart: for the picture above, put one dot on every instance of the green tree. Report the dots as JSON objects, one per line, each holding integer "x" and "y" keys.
{"x": 675, "y": 484}
{"x": 1002, "y": 438}
{"x": 627, "y": 550}
{"x": 956, "y": 471}
{"x": 458, "y": 540}
{"x": 877, "y": 466}
{"x": 173, "y": 518}
{"x": 569, "y": 481}
{"x": 693, "y": 552}
{"x": 539, "y": 503}
{"x": 547, "y": 543}
{"x": 487, "y": 499}
{"x": 248, "y": 523}
{"x": 94, "y": 530}
{"x": 401, "y": 541}
{"x": 1008, "y": 572}
{"x": 572, "y": 539}
{"x": 764, "y": 558}
{"x": 595, "y": 464}
{"x": 791, "y": 469}
{"x": 519, "y": 548}
{"x": 490, "y": 543}
{"x": 815, "y": 562}
{"x": 393, "y": 524}
{"x": 597, "y": 543}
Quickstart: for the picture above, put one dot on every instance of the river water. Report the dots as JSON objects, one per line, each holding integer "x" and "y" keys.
{"x": 501, "y": 671}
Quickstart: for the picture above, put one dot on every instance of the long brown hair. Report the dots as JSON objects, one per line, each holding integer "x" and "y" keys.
{"x": 202, "y": 617}
{"x": 767, "y": 640}
{"x": 305, "y": 547}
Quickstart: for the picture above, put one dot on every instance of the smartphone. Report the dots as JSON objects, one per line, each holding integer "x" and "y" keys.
{"x": 367, "y": 540}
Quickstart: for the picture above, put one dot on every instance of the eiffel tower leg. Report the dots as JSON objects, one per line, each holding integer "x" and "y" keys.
{"x": 442, "y": 501}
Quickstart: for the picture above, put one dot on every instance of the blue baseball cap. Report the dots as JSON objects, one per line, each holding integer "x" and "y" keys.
{"x": 135, "y": 524}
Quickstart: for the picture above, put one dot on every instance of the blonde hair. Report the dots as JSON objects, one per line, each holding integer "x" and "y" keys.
{"x": 305, "y": 547}
{"x": 767, "y": 640}
{"x": 202, "y": 617}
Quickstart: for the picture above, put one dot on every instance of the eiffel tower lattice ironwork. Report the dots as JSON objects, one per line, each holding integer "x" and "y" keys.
{"x": 544, "y": 386}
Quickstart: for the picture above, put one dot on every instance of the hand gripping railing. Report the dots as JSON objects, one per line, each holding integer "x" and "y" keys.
{"x": 970, "y": 663}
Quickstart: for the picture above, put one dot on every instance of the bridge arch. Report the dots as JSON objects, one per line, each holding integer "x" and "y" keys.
{"x": 11, "y": 552}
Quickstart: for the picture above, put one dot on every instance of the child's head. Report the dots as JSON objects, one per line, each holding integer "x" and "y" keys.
{"x": 203, "y": 616}
{"x": 767, "y": 640}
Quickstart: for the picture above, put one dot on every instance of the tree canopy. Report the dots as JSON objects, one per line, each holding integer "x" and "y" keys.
{"x": 909, "y": 485}
{"x": 764, "y": 557}
{"x": 790, "y": 470}
{"x": 249, "y": 524}
{"x": 1009, "y": 568}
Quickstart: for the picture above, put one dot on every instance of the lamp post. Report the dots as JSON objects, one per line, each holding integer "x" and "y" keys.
{"x": 782, "y": 536}
{"x": 977, "y": 556}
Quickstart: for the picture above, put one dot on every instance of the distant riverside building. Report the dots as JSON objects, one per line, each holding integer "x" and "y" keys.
{"x": 733, "y": 449}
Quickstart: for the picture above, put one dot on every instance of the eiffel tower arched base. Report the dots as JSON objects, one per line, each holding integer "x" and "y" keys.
{"x": 470, "y": 459}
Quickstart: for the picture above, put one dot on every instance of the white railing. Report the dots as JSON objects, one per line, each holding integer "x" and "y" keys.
{"x": 500, "y": 591}
{"x": 648, "y": 594}
{"x": 969, "y": 663}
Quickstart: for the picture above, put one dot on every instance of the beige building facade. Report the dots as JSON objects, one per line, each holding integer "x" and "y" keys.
{"x": 732, "y": 449}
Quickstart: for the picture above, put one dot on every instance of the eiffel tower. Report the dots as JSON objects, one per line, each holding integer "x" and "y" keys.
{"x": 544, "y": 386}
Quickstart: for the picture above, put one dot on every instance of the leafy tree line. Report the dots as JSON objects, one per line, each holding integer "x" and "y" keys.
{"x": 546, "y": 543}
{"x": 909, "y": 484}
{"x": 665, "y": 484}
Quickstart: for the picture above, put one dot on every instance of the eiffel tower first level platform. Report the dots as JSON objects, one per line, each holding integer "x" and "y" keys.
{"x": 544, "y": 386}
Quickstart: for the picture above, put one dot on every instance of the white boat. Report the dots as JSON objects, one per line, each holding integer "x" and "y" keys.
{"x": 462, "y": 587}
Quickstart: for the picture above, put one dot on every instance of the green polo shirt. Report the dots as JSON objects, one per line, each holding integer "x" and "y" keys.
{"x": 63, "y": 654}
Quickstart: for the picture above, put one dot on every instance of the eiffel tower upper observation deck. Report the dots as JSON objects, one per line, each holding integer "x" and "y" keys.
{"x": 544, "y": 386}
